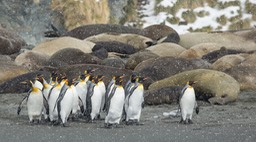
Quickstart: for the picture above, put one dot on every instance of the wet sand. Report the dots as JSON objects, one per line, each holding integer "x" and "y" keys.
{"x": 229, "y": 123}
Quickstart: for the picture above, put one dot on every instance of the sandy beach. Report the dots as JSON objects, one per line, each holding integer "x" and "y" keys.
{"x": 229, "y": 123}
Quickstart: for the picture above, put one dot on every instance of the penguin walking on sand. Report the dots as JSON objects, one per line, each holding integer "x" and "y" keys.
{"x": 108, "y": 91}
{"x": 35, "y": 102}
{"x": 53, "y": 96}
{"x": 102, "y": 88}
{"x": 42, "y": 84}
{"x": 82, "y": 87}
{"x": 114, "y": 104}
{"x": 64, "y": 103}
{"x": 187, "y": 103}
{"x": 96, "y": 98}
{"x": 134, "y": 102}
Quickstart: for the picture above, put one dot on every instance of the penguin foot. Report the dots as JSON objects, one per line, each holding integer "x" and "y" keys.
{"x": 56, "y": 123}
{"x": 190, "y": 121}
{"x": 183, "y": 121}
{"x": 108, "y": 125}
{"x": 65, "y": 125}
{"x": 129, "y": 122}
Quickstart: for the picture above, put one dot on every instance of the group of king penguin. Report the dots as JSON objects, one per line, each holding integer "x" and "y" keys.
{"x": 87, "y": 97}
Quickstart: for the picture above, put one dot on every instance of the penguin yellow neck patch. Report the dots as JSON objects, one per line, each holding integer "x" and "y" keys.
{"x": 34, "y": 89}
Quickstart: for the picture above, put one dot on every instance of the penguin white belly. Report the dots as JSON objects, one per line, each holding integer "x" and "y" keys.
{"x": 66, "y": 105}
{"x": 52, "y": 101}
{"x": 116, "y": 107}
{"x": 75, "y": 100}
{"x": 103, "y": 92}
{"x": 46, "y": 90}
{"x": 135, "y": 105}
{"x": 35, "y": 105}
{"x": 187, "y": 102}
{"x": 96, "y": 101}
{"x": 81, "y": 89}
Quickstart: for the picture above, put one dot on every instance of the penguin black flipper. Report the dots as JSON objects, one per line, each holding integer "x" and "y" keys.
{"x": 46, "y": 105}
{"x": 109, "y": 98}
{"x": 50, "y": 91}
{"x": 89, "y": 101}
{"x": 106, "y": 95}
{"x": 26, "y": 97}
{"x": 81, "y": 105}
{"x": 127, "y": 89}
{"x": 131, "y": 92}
{"x": 61, "y": 95}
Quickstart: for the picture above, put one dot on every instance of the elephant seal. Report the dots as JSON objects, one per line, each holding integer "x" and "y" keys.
{"x": 215, "y": 86}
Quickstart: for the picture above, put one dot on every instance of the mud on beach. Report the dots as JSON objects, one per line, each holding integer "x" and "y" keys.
{"x": 233, "y": 122}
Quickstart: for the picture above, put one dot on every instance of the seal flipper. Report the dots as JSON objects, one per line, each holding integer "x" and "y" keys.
{"x": 26, "y": 97}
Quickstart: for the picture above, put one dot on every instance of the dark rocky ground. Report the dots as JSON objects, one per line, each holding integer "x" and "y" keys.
{"x": 233, "y": 122}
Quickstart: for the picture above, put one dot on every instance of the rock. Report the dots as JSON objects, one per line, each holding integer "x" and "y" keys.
{"x": 137, "y": 41}
{"x": 114, "y": 62}
{"x": 166, "y": 49}
{"x": 50, "y": 47}
{"x": 114, "y": 46}
{"x": 157, "y": 32}
{"x": 138, "y": 57}
{"x": 228, "y": 40}
{"x": 10, "y": 42}
{"x": 197, "y": 51}
{"x": 245, "y": 73}
{"x": 228, "y": 61}
{"x": 163, "y": 67}
{"x": 166, "y": 95}
{"x": 211, "y": 57}
{"x": 9, "y": 69}
{"x": 214, "y": 86}
{"x": 32, "y": 60}
{"x": 14, "y": 86}
{"x": 74, "y": 56}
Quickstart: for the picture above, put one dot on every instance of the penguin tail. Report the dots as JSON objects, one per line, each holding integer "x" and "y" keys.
{"x": 197, "y": 110}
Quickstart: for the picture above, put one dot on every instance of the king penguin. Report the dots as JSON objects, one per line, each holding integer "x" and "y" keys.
{"x": 35, "y": 102}
{"x": 64, "y": 103}
{"x": 134, "y": 102}
{"x": 187, "y": 102}
{"x": 96, "y": 98}
{"x": 114, "y": 104}
{"x": 82, "y": 87}
{"x": 108, "y": 90}
{"x": 102, "y": 88}
{"x": 53, "y": 96}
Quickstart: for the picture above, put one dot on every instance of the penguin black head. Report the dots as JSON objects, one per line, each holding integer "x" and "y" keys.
{"x": 82, "y": 76}
{"x": 91, "y": 78}
{"x": 70, "y": 82}
{"x": 119, "y": 80}
{"x": 100, "y": 77}
{"x": 191, "y": 83}
{"x": 96, "y": 79}
{"x": 141, "y": 79}
{"x": 133, "y": 77}
{"x": 40, "y": 78}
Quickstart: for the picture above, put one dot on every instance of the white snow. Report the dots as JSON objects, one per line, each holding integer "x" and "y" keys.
{"x": 167, "y": 3}
{"x": 209, "y": 20}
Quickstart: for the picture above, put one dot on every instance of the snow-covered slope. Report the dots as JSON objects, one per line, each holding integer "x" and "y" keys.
{"x": 219, "y": 15}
